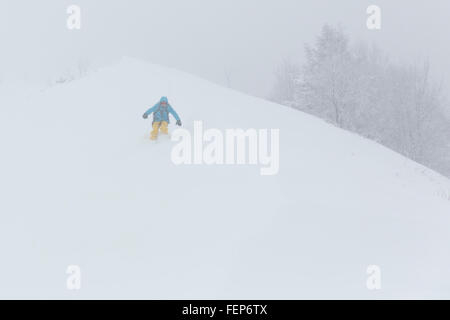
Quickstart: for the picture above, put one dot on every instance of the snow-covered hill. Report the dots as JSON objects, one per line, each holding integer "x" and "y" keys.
{"x": 82, "y": 184}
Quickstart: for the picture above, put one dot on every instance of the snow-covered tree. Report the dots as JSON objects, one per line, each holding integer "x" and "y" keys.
{"x": 284, "y": 91}
{"x": 324, "y": 88}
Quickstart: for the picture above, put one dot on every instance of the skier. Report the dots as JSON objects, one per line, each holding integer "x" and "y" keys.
{"x": 161, "y": 121}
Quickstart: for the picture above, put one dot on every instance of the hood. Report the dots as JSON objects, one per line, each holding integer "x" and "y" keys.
{"x": 164, "y": 99}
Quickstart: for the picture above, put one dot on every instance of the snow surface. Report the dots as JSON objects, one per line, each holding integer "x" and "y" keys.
{"x": 82, "y": 184}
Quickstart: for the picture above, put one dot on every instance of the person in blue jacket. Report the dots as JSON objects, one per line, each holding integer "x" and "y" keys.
{"x": 161, "y": 121}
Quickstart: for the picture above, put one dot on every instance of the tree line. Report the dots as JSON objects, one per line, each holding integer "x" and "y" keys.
{"x": 357, "y": 87}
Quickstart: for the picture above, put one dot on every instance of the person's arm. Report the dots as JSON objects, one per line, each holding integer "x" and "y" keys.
{"x": 152, "y": 109}
{"x": 175, "y": 115}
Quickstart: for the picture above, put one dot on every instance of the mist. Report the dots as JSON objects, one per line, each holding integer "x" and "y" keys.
{"x": 233, "y": 43}
{"x": 251, "y": 149}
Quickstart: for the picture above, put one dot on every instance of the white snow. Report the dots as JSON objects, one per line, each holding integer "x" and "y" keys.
{"x": 81, "y": 184}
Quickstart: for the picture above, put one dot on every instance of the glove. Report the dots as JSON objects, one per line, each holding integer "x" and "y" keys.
{"x": 179, "y": 123}
{"x": 145, "y": 116}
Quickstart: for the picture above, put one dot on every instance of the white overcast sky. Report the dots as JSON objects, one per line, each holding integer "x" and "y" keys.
{"x": 206, "y": 37}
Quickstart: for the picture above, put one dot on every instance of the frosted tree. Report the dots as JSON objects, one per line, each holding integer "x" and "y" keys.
{"x": 286, "y": 75}
{"x": 325, "y": 85}
{"x": 227, "y": 73}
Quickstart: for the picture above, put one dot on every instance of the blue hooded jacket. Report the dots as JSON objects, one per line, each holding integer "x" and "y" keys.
{"x": 161, "y": 112}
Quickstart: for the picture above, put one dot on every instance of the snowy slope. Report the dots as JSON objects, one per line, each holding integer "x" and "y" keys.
{"x": 82, "y": 184}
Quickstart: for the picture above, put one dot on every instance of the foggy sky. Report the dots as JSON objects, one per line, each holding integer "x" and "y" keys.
{"x": 210, "y": 38}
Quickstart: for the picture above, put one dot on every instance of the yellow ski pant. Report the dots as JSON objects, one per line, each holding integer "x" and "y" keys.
{"x": 163, "y": 126}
